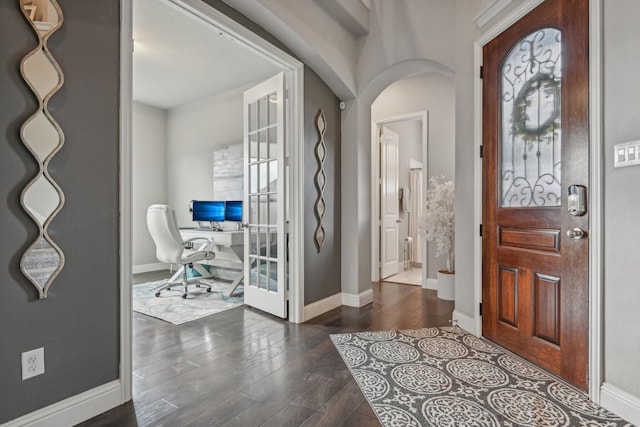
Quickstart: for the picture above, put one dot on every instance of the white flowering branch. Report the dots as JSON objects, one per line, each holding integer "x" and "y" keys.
{"x": 438, "y": 221}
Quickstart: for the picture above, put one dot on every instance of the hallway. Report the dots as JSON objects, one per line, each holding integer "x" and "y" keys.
{"x": 245, "y": 368}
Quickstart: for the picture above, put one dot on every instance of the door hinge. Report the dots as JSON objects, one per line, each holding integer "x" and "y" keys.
{"x": 481, "y": 151}
{"x": 480, "y": 308}
{"x": 481, "y": 72}
{"x": 480, "y": 230}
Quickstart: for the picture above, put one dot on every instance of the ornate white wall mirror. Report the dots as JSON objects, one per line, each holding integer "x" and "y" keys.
{"x": 42, "y": 198}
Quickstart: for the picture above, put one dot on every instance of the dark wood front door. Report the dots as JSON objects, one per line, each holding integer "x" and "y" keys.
{"x": 536, "y": 145}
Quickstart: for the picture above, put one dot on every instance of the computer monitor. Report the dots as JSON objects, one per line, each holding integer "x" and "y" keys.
{"x": 233, "y": 211}
{"x": 207, "y": 210}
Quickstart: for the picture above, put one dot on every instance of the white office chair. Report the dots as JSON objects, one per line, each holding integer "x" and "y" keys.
{"x": 163, "y": 227}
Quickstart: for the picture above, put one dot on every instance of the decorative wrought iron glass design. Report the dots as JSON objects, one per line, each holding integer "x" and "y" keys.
{"x": 42, "y": 197}
{"x": 321, "y": 178}
{"x": 530, "y": 121}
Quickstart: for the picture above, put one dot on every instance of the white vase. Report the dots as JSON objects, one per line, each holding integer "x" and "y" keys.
{"x": 446, "y": 282}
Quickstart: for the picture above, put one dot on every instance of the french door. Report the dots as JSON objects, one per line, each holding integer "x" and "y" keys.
{"x": 535, "y": 185}
{"x": 264, "y": 199}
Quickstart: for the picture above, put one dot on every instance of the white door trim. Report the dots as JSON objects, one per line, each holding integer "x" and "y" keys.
{"x": 423, "y": 116}
{"x": 595, "y": 181}
{"x": 126, "y": 206}
{"x": 294, "y": 84}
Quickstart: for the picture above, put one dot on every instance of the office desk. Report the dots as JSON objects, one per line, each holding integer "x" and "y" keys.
{"x": 228, "y": 247}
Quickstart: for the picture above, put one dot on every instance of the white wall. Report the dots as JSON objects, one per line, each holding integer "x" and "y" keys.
{"x": 466, "y": 227}
{"x": 194, "y": 130}
{"x": 406, "y": 30}
{"x": 432, "y": 92}
{"x": 149, "y": 180}
{"x": 621, "y": 200}
{"x": 435, "y": 93}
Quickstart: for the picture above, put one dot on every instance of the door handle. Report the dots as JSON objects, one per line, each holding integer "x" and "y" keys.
{"x": 575, "y": 233}
{"x": 398, "y": 221}
{"x": 244, "y": 225}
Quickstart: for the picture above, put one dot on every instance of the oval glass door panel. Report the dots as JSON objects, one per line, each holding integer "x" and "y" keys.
{"x": 530, "y": 122}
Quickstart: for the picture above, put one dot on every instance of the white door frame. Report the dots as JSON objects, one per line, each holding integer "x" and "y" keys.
{"x": 294, "y": 131}
{"x": 595, "y": 183}
{"x": 423, "y": 117}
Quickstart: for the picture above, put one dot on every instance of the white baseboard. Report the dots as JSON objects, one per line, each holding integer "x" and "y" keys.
{"x": 357, "y": 300}
{"x": 320, "y": 307}
{"x": 73, "y": 410}
{"x": 620, "y": 403}
{"x": 467, "y": 323}
{"x": 146, "y": 268}
{"x": 432, "y": 284}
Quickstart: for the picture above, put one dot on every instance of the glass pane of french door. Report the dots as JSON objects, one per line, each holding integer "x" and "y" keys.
{"x": 264, "y": 235}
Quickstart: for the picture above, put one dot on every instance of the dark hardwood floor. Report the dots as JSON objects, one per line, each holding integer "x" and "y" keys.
{"x": 246, "y": 368}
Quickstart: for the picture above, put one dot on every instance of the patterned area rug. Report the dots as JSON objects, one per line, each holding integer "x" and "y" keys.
{"x": 170, "y": 306}
{"x": 447, "y": 377}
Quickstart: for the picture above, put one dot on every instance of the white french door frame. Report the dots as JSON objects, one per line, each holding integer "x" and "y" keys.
{"x": 294, "y": 134}
{"x": 595, "y": 346}
{"x": 423, "y": 117}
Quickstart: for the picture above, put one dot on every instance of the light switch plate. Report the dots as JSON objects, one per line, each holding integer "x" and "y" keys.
{"x": 626, "y": 154}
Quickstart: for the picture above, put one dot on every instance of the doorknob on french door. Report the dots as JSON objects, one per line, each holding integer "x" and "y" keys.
{"x": 244, "y": 225}
{"x": 398, "y": 221}
{"x": 575, "y": 233}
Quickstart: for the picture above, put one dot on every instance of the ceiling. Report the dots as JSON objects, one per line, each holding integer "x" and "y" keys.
{"x": 179, "y": 58}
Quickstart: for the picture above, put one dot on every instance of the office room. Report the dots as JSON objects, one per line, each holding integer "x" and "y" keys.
{"x": 188, "y": 87}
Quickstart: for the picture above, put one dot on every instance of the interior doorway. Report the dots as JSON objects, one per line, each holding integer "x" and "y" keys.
{"x": 402, "y": 146}
{"x": 203, "y": 15}
{"x": 422, "y": 104}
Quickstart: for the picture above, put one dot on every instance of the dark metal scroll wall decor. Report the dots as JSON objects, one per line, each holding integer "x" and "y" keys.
{"x": 321, "y": 178}
{"x": 42, "y": 198}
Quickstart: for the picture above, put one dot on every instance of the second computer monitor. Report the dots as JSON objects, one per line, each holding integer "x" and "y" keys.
{"x": 208, "y": 210}
{"x": 233, "y": 211}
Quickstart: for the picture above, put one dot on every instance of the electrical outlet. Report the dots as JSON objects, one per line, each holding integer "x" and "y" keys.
{"x": 32, "y": 363}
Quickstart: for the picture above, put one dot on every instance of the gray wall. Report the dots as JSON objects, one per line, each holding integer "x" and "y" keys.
{"x": 621, "y": 196}
{"x": 78, "y": 323}
{"x": 321, "y": 269}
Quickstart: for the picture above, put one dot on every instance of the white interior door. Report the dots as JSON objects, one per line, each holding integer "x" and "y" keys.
{"x": 264, "y": 197}
{"x": 389, "y": 209}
